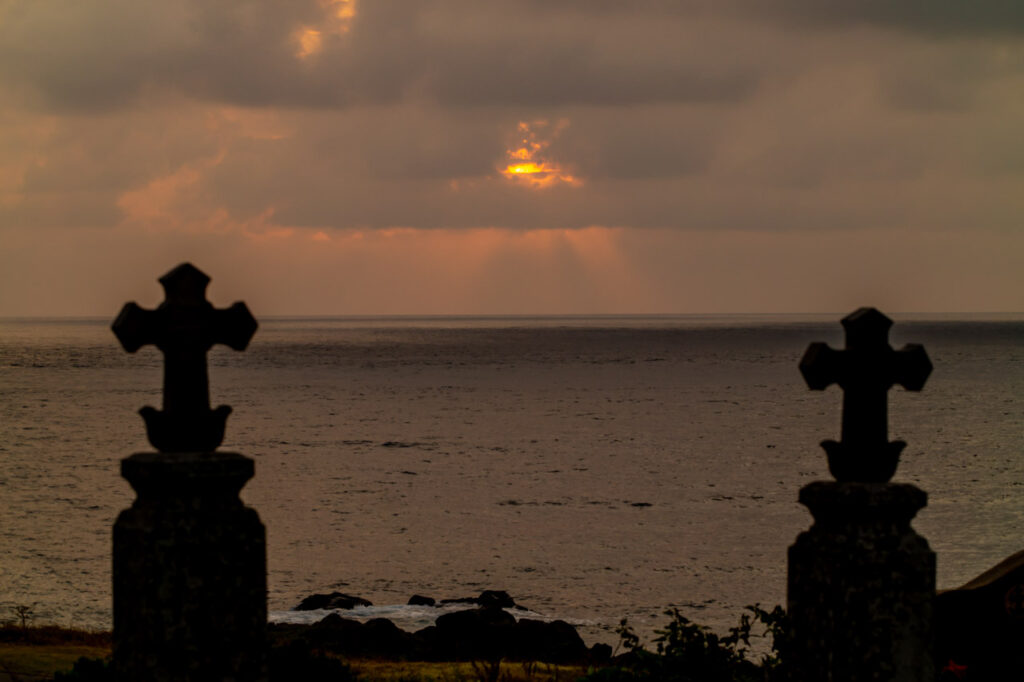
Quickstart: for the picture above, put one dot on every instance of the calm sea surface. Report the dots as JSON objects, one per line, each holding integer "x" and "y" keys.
{"x": 595, "y": 468}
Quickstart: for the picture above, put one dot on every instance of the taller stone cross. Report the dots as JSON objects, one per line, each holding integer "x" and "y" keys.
{"x": 866, "y": 370}
{"x": 190, "y": 580}
{"x": 861, "y": 581}
{"x": 184, "y": 328}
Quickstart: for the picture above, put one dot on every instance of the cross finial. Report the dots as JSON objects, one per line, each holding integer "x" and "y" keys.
{"x": 184, "y": 327}
{"x": 865, "y": 370}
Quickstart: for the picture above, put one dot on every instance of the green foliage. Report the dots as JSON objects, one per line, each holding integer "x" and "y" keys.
{"x": 688, "y": 652}
{"x": 775, "y": 626}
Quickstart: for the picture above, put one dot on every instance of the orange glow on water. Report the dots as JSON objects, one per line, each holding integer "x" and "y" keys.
{"x": 527, "y": 162}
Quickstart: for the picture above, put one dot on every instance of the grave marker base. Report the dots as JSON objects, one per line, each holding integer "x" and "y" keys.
{"x": 861, "y": 586}
{"x": 190, "y": 588}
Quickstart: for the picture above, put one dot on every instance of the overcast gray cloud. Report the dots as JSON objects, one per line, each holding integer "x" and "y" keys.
{"x": 97, "y": 55}
{"x": 285, "y": 121}
{"x": 941, "y": 18}
{"x": 105, "y": 54}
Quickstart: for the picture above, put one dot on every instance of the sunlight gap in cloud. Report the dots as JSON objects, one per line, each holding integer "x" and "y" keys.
{"x": 528, "y": 163}
{"x": 337, "y": 20}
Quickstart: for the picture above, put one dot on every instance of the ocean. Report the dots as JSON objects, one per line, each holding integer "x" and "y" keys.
{"x": 596, "y": 468}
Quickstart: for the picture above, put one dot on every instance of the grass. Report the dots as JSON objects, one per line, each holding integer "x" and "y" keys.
{"x": 414, "y": 671}
{"x": 32, "y": 653}
{"x": 37, "y": 652}
{"x": 34, "y": 661}
{"x": 52, "y": 635}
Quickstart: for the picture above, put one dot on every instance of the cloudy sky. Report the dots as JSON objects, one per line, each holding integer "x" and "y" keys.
{"x": 514, "y": 156}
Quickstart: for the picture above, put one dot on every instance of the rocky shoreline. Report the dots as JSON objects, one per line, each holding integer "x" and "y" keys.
{"x": 487, "y": 630}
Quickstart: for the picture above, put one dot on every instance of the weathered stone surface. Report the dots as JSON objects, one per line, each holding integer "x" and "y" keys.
{"x": 980, "y": 625}
{"x": 334, "y": 600}
{"x": 420, "y": 600}
{"x": 861, "y": 586}
{"x": 189, "y": 572}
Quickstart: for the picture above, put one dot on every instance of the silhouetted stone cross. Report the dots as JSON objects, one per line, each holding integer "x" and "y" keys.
{"x": 865, "y": 370}
{"x": 184, "y": 327}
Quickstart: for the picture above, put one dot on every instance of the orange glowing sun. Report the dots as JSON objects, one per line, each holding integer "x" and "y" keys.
{"x": 527, "y": 163}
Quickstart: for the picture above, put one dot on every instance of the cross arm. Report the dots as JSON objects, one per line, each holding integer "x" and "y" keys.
{"x": 135, "y": 327}
{"x": 235, "y": 326}
{"x": 820, "y": 366}
{"x": 912, "y": 367}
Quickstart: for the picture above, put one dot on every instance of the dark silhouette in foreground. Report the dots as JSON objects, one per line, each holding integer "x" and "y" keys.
{"x": 865, "y": 370}
{"x": 861, "y": 582}
{"x": 487, "y": 632}
{"x": 184, "y": 327}
{"x": 190, "y": 579}
{"x": 979, "y": 626}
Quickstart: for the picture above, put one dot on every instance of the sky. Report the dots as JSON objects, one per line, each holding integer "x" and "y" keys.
{"x": 383, "y": 157}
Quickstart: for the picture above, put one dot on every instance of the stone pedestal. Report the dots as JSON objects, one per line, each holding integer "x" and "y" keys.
{"x": 190, "y": 587}
{"x": 861, "y": 587}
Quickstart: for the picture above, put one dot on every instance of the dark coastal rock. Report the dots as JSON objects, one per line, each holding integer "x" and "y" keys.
{"x": 554, "y": 642}
{"x": 384, "y": 639}
{"x": 377, "y": 638}
{"x": 980, "y": 624}
{"x": 498, "y": 599}
{"x": 334, "y": 600}
{"x": 420, "y": 600}
{"x": 489, "y": 633}
{"x": 463, "y": 621}
{"x": 482, "y": 633}
{"x": 600, "y": 653}
{"x": 334, "y": 627}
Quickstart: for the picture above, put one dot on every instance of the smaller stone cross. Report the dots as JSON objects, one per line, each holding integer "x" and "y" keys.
{"x": 184, "y": 327}
{"x": 865, "y": 370}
